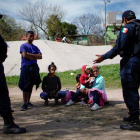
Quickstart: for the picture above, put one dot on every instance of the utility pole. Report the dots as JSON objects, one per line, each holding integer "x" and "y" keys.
{"x": 105, "y": 20}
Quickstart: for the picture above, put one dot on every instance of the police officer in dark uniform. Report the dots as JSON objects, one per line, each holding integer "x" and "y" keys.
{"x": 5, "y": 105}
{"x": 127, "y": 46}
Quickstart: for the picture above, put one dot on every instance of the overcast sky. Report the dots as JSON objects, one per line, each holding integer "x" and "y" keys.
{"x": 75, "y": 8}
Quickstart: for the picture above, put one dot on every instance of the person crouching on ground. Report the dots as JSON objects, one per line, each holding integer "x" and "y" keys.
{"x": 51, "y": 86}
{"x": 69, "y": 94}
{"x": 29, "y": 75}
{"x": 85, "y": 80}
{"x": 97, "y": 93}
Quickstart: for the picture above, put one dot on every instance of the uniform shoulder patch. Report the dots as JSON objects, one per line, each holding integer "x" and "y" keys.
{"x": 124, "y": 30}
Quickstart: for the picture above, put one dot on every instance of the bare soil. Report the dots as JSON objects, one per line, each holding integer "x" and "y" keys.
{"x": 58, "y": 122}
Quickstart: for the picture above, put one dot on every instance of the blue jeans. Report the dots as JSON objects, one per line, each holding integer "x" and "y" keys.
{"x": 75, "y": 96}
{"x": 45, "y": 95}
{"x": 95, "y": 97}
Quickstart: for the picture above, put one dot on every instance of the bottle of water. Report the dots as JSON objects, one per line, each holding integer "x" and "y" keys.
{"x": 67, "y": 90}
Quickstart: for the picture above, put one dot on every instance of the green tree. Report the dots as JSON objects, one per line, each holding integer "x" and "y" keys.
{"x": 53, "y": 25}
{"x": 9, "y": 29}
{"x": 70, "y": 29}
{"x": 56, "y": 28}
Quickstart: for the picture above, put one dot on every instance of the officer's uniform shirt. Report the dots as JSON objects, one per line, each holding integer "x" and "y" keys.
{"x": 125, "y": 42}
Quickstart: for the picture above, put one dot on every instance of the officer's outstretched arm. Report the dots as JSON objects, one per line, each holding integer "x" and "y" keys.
{"x": 98, "y": 60}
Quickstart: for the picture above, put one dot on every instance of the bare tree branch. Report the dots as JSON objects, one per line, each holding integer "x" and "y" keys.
{"x": 87, "y": 22}
{"x": 38, "y": 13}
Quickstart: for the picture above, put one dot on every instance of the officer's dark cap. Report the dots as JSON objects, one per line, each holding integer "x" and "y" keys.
{"x": 128, "y": 13}
{"x": 1, "y": 16}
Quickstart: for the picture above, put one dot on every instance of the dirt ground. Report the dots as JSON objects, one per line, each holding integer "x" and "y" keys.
{"x": 58, "y": 122}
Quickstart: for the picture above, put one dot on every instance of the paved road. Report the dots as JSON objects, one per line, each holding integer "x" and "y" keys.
{"x": 65, "y": 56}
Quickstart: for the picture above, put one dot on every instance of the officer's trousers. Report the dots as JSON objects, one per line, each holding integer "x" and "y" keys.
{"x": 130, "y": 79}
{"x": 5, "y": 105}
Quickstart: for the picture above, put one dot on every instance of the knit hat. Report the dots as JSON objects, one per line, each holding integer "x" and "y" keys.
{"x": 87, "y": 67}
{"x": 94, "y": 67}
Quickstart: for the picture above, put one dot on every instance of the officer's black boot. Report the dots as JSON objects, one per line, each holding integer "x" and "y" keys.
{"x": 10, "y": 127}
{"x": 133, "y": 125}
{"x": 127, "y": 119}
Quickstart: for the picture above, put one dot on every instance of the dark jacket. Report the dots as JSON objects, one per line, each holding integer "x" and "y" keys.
{"x": 51, "y": 85}
{"x": 3, "y": 49}
{"x": 125, "y": 42}
{"x": 29, "y": 74}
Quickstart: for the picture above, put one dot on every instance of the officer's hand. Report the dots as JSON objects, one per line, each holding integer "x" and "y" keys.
{"x": 98, "y": 60}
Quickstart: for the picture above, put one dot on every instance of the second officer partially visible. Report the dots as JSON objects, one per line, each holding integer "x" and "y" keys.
{"x": 5, "y": 105}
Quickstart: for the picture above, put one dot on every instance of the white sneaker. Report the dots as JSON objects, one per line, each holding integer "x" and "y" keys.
{"x": 69, "y": 103}
{"x": 95, "y": 107}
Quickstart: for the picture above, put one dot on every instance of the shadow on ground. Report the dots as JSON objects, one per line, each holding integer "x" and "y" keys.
{"x": 74, "y": 122}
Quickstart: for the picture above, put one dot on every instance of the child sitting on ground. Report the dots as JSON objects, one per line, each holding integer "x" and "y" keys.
{"x": 97, "y": 93}
{"x": 83, "y": 98}
{"x": 51, "y": 86}
{"x": 69, "y": 94}
{"x": 85, "y": 80}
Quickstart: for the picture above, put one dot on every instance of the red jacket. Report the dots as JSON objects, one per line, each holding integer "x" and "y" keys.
{"x": 85, "y": 77}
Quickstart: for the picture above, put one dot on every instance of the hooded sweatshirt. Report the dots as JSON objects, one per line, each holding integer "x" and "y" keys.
{"x": 84, "y": 77}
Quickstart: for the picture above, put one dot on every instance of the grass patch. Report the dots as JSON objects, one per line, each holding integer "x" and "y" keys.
{"x": 12, "y": 80}
{"x": 111, "y": 73}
